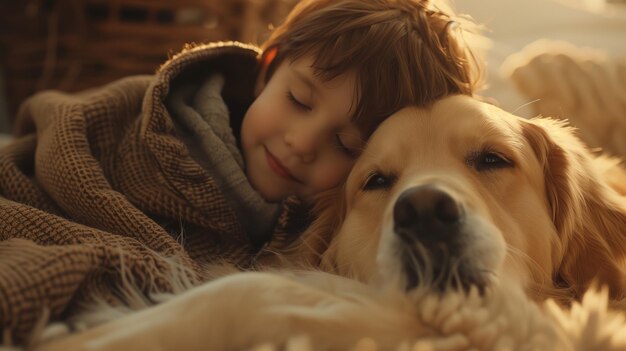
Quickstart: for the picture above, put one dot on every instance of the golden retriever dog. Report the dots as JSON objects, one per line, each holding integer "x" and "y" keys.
{"x": 465, "y": 193}
{"x": 448, "y": 209}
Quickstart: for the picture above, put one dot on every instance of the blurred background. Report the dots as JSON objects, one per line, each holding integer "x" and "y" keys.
{"x": 597, "y": 26}
{"x": 75, "y": 44}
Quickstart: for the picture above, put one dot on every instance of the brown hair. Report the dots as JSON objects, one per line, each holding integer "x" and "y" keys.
{"x": 404, "y": 52}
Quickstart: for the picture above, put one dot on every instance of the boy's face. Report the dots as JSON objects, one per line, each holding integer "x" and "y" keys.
{"x": 297, "y": 136}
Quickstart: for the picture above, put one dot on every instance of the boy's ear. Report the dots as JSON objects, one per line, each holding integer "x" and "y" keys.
{"x": 266, "y": 61}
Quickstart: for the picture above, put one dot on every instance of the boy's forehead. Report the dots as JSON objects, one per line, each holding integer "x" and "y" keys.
{"x": 304, "y": 73}
{"x": 305, "y": 69}
{"x": 342, "y": 86}
{"x": 337, "y": 93}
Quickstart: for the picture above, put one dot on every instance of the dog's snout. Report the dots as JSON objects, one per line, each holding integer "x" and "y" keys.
{"x": 433, "y": 230}
{"x": 428, "y": 212}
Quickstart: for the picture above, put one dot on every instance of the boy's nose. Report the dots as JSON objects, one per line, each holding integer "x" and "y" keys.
{"x": 304, "y": 142}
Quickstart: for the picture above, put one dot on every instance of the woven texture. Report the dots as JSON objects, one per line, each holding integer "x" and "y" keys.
{"x": 98, "y": 182}
{"x": 71, "y": 45}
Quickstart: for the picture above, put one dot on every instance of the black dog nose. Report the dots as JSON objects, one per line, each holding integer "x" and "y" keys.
{"x": 427, "y": 212}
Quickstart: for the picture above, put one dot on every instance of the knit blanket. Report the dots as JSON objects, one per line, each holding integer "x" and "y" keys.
{"x": 129, "y": 175}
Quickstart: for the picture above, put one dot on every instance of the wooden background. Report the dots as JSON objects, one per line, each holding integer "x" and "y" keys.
{"x": 75, "y": 44}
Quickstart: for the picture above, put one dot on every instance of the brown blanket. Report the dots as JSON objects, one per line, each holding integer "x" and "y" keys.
{"x": 101, "y": 180}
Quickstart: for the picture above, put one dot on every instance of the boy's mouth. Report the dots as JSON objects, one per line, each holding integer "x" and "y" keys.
{"x": 278, "y": 167}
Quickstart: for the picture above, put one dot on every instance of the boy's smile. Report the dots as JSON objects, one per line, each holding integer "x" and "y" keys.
{"x": 278, "y": 167}
{"x": 297, "y": 136}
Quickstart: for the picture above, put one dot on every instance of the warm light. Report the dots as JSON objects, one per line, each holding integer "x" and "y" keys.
{"x": 607, "y": 7}
{"x": 595, "y": 5}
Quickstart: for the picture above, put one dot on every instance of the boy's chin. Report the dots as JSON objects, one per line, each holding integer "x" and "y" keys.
{"x": 270, "y": 194}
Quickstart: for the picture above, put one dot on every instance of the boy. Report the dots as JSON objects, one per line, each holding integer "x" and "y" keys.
{"x": 195, "y": 163}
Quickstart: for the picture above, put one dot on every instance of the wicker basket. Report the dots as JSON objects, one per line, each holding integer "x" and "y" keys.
{"x": 75, "y": 44}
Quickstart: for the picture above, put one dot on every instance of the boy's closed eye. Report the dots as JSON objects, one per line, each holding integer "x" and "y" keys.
{"x": 297, "y": 102}
{"x": 346, "y": 147}
{"x": 343, "y": 146}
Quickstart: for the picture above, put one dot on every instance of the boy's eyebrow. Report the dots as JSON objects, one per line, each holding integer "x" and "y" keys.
{"x": 306, "y": 80}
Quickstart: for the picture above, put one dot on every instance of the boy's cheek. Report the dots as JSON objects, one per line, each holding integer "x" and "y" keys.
{"x": 333, "y": 175}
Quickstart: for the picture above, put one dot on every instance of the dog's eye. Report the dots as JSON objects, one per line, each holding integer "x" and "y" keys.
{"x": 487, "y": 160}
{"x": 377, "y": 181}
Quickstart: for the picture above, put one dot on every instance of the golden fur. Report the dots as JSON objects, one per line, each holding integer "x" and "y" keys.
{"x": 560, "y": 208}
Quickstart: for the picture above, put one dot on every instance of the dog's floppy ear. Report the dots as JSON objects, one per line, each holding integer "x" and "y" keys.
{"x": 589, "y": 216}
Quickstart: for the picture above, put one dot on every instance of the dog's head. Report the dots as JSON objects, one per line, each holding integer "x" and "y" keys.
{"x": 462, "y": 193}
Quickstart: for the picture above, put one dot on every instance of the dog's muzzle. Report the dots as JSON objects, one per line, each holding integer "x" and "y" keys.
{"x": 430, "y": 224}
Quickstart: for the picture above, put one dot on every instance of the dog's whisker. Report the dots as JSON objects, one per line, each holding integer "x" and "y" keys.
{"x": 535, "y": 269}
{"x": 526, "y": 104}
{"x": 488, "y": 272}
